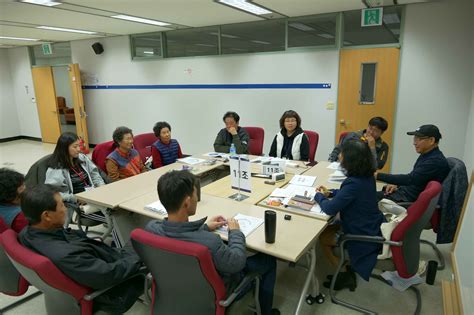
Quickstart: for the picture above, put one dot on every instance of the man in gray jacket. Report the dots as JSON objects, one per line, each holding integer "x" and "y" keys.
{"x": 178, "y": 194}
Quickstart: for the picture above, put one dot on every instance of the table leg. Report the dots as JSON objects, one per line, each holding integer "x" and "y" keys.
{"x": 310, "y": 277}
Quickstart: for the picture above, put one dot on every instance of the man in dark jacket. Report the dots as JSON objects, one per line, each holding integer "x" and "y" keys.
{"x": 430, "y": 165}
{"x": 89, "y": 262}
{"x": 178, "y": 194}
{"x": 373, "y": 136}
{"x": 232, "y": 134}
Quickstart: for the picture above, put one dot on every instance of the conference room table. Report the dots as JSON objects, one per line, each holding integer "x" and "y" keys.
{"x": 113, "y": 194}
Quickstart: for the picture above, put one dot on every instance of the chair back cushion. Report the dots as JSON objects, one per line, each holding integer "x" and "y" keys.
{"x": 313, "y": 138}
{"x": 144, "y": 140}
{"x": 62, "y": 295}
{"x": 100, "y": 153}
{"x": 256, "y": 138}
{"x": 406, "y": 258}
{"x": 11, "y": 282}
{"x": 185, "y": 279}
{"x": 37, "y": 172}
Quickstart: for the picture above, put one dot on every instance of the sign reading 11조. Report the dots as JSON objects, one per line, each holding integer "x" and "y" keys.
{"x": 371, "y": 17}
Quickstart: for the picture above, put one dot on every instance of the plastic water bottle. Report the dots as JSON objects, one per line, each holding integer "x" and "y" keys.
{"x": 232, "y": 150}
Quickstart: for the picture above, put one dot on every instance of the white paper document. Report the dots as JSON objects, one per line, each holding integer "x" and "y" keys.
{"x": 247, "y": 223}
{"x": 216, "y": 155}
{"x": 303, "y": 180}
{"x": 334, "y": 166}
{"x": 317, "y": 210}
{"x": 293, "y": 190}
{"x": 157, "y": 207}
{"x": 190, "y": 160}
{"x": 337, "y": 177}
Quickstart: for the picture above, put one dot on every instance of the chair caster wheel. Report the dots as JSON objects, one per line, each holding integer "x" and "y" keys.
{"x": 318, "y": 299}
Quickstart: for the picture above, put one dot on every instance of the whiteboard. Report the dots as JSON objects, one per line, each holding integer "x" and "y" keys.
{"x": 464, "y": 254}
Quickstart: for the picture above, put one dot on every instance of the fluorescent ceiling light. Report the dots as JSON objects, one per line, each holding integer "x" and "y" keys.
{"x": 42, "y": 2}
{"x": 148, "y": 52}
{"x": 60, "y": 29}
{"x": 246, "y": 6}
{"x": 301, "y": 26}
{"x": 327, "y": 36}
{"x": 391, "y": 18}
{"x": 224, "y": 35}
{"x": 19, "y": 38}
{"x": 260, "y": 42}
{"x": 139, "y": 20}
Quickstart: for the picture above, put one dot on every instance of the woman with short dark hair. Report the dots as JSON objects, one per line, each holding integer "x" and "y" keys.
{"x": 290, "y": 142}
{"x": 12, "y": 185}
{"x": 124, "y": 161}
{"x": 165, "y": 150}
{"x": 356, "y": 203}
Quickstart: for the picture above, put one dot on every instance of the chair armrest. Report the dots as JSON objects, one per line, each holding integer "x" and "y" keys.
{"x": 141, "y": 273}
{"x": 239, "y": 289}
{"x": 364, "y": 238}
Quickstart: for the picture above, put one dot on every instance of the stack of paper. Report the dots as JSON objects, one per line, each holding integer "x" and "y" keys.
{"x": 247, "y": 223}
{"x": 303, "y": 180}
{"x": 337, "y": 177}
{"x": 157, "y": 207}
{"x": 190, "y": 160}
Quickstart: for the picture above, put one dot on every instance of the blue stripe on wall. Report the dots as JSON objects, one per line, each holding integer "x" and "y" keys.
{"x": 209, "y": 86}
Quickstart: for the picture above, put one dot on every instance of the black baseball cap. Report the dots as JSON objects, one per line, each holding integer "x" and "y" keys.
{"x": 426, "y": 131}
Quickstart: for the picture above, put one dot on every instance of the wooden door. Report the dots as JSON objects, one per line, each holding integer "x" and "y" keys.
{"x": 47, "y": 104}
{"x": 78, "y": 102}
{"x": 354, "y": 111}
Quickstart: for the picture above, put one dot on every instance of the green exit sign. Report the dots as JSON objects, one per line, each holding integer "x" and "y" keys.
{"x": 371, "y": 17}
{"x": 47, "y": 49}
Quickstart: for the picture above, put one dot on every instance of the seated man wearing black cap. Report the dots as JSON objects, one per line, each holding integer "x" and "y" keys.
{"x": 430, "y": 165}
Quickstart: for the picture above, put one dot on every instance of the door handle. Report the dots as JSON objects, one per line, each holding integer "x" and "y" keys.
{"x": 342, "y": 122}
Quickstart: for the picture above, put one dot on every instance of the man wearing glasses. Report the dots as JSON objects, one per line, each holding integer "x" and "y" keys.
{"x": 430, "y": 165}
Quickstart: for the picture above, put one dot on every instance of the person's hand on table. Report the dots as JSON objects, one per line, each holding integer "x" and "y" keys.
{"x": 390, "y": 189}
{"x": 216, "y": 222}
{"x": 233, "y": 224}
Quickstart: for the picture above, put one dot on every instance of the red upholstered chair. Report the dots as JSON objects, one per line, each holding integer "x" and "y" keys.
{"x": 62, "y": 295}
{"x": 11, "y": 281}
{"x": 143, "y": 143}
{"x": 404, "y": 242}
{"x": 342, "y": 135}
{"x": 313, "y": 138}
{"x": 100, "y": 153}
{"x": 184, "y": 269}
{"x": 257, "y": 136}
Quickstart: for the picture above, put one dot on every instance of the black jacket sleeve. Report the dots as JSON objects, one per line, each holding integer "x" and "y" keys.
{"x": 382, "y": 156}
{"x": 304, "y": 148}
{"x": 273, "y": 148}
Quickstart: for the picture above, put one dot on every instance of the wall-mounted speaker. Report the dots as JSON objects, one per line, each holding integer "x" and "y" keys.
{"x": 98, "y": 48}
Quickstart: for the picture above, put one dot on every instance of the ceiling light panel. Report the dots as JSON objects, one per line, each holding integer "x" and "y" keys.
{"x": 246, "y": 6}
{"x": 139, "y": 20}
{"x": 42, "y": 2}
{"x": 70, "y": 30}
